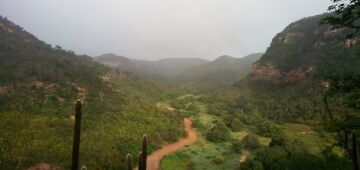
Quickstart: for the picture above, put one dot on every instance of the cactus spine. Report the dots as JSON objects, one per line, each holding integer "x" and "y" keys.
{"x": 76, "y": 141}
{"x": 129, "y": 162}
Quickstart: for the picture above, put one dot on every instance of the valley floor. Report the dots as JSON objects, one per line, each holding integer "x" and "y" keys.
{"x": 204, "y": 154}
{"x": 153, "y": 161}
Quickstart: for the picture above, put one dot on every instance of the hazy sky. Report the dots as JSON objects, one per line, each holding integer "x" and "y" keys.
{"x": 153, "y": 29}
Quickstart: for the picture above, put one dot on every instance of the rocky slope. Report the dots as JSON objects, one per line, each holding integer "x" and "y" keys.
{"x": 286, "y": 83}
{"x": 306, "y": 48}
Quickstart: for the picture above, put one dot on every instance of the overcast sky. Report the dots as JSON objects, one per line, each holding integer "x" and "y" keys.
{"x": 153, "y": 29}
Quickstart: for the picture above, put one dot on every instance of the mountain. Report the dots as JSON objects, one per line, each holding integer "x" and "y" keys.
{"x": 168, "y": 68}
{"x": 38, "y": 87}
{"x": 164, "y": 69}
{"x": 305, "y": 49}
{"x": 223, "y": 71}
{"x": 113, "y": 60}
{"x": 287, "y": 82}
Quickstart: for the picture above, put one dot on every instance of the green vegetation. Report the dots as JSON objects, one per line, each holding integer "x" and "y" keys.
{"x": 218, "y": 133}
{"x": 297, "y": 109}
{"x": 250, "y": 142}
{"x": 36, "y": 107}
{"x": 208, "y": 153}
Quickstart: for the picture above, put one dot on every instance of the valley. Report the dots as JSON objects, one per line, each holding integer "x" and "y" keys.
{"x": 294, "y": 106}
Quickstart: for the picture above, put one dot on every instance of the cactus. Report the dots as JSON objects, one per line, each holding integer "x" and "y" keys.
{"x": 76, "y": 141}
{"x": 144, "y": 152}
{"x": 129, "y": 162}
{"x": 355, "y": 155}
{"x": 140, "y": 164}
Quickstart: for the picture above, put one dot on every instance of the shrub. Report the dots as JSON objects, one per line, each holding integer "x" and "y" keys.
{"x": 217, "y": 160}
{"x": 218, "y": 133}
{"x": 268, "y": 129}
{"x": 233, "y": 123}
{"x": 251, "y": 164}
{"x": 250, "y": 142}
{"x": 279, "y": 140}
{"x": 237, "y": 146}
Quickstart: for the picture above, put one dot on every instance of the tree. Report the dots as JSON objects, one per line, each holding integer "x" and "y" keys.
{"x": 251, "y": 142}
{"x": 346, "y": 14}
{"x": 218, "y": 133}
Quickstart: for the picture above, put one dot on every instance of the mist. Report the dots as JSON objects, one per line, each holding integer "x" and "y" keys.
{"x": 157, "y": 29}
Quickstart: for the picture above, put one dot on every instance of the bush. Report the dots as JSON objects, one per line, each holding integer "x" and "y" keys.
{"x": 233, "y": 123}
{"x": 268, "y": 129}
{"x": 218, "y": 133}
{"x": 279, "y": 141}
{"x": 217, "y": 160}
{"x": 250, "y": 142}
{"x": 237, "y": 146}
{"x": 251, "y": 165}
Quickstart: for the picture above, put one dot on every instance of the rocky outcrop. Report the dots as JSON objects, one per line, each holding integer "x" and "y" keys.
{"x": 290, "y": 36}
{"x": 351, "y": 42}
{"x": 272, "y": 72}
{"x": 264, "y": 71}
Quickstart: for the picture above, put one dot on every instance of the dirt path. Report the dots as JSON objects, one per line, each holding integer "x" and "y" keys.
{"x": 244, "y": 156}
{"x": 153, "y": 160}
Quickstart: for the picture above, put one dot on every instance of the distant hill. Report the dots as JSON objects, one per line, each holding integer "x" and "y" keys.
{"x": 113, "y": 60}
{"x": 191, "y": 72}
{"x": 223, "y": 71}
{"x": 168, "y": 68}
{"x": 164, "y": 69}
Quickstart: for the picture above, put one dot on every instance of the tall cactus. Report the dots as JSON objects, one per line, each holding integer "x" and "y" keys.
{"x": 76, "y": 141}
{"x": 355, "y": 155}
{"x": 144, "y": 151}
{"x": 129, "y": 162}
{"x": 143, "y": 154}
{"x": 140, "y": 164}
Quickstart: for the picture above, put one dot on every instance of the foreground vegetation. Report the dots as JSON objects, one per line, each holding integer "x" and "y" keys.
{"x": 38, "y": 86}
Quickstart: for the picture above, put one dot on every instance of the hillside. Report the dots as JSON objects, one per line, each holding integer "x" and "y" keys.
{"x": 38, "y": 86}
{"x": 306, "y": 48}
{"x": 222, "y": 72}
{"x": 289, "y": 77}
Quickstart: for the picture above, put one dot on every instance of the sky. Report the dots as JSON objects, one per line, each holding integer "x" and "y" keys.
{"x": 155, "y": 29}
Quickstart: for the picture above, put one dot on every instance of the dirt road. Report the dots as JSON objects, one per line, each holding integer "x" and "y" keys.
{"x": 153, "y": 160}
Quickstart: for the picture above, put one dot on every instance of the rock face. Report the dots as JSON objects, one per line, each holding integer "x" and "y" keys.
{"x": 306, "y": 49}
{"x": 264, "y": 71}
{"x": 271, "y": 72}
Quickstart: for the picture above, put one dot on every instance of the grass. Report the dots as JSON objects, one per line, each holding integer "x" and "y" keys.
{"x": 304, "y": 133}
{"x": 265, "y": 141}
{"x": 203, "y": 155}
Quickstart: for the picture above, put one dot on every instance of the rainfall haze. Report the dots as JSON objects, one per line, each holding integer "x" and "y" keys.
{"x": 154, "y": 29}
